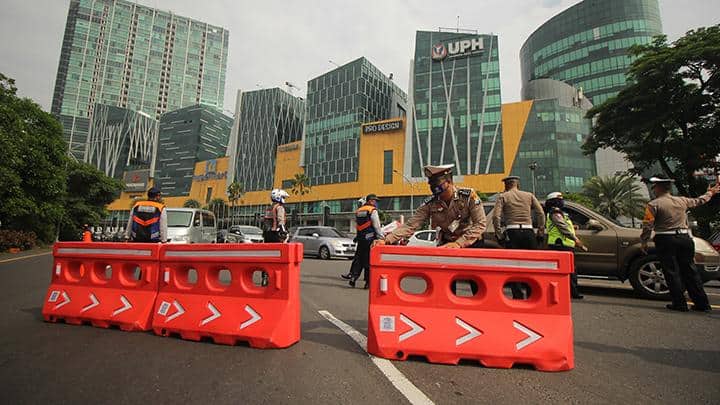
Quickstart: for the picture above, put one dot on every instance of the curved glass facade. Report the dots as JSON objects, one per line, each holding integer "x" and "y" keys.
{"x": 587, "y": 45}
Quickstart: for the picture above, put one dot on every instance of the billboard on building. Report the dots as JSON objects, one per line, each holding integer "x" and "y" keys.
{"x": 136, "y": 180}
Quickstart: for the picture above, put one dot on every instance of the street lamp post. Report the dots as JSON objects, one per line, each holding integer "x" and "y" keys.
{"x": 533, "y": 166}
{"x": 412, "y": 189}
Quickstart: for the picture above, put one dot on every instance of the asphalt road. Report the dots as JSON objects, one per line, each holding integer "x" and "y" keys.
{"x": 627, "y": 350}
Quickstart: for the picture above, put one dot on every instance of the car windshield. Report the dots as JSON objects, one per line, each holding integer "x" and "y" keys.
{"x": 330, "y": 233}
{"x": 179, "y": 219}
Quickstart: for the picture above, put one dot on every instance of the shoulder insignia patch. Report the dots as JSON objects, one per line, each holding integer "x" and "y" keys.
{"x": 428, "y": 200}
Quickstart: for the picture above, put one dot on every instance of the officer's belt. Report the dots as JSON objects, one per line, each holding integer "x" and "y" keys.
{"x": 519, "y": 226}
{"x": 681, "y": 231}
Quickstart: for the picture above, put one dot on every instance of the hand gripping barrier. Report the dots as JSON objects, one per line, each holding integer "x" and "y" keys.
{"x": 235, "y": 310}
{"x": 488, "y": 327}
{"x": 104, "y": 284}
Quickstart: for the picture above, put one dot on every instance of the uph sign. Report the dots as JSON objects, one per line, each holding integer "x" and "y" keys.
{"x": 456, "y": 49}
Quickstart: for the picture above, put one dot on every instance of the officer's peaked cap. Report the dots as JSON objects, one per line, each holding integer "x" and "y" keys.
{"x": 440, "y": 170}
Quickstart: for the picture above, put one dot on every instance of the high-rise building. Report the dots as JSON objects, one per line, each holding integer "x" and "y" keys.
{"x": 550, "y": 156}
{"x": 123, "y": 54}
{"x": 264, "y": 120}
{"x": 587, "y": 45}
{"x": 338, "y": 102}
{"x": 187, "y": 136}
{"x": 121, "y": 139}
{"x": 455, "y": 103}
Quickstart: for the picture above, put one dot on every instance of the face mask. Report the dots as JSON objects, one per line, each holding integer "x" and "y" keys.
{"x": 438, "y": 189}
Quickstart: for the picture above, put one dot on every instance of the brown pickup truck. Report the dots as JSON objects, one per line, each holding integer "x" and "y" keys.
{"x": 614, "y": 253}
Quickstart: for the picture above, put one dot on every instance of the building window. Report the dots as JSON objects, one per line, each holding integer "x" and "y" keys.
{"x": 388, "y": 167}
{"x": 209, "y": 195}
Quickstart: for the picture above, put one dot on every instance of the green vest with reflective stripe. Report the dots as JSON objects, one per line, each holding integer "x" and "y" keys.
{"x": 553, "y": 232}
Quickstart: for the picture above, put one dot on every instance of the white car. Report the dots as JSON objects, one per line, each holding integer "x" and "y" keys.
{"x": 424, "y": 238}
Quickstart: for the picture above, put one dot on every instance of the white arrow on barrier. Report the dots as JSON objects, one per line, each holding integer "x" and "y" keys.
{"x": 179, "y": 311}
{"x": 532, "y": 335}
{"x": 216, "y": 314}
{"x": 125, "y": 307}
{"x": 66, "y": 300}
{"x": 95, "y": 303}
{"x": 254, "y": 317}
{"x": 473, "y": 333}
{"x": 412, "y": 332}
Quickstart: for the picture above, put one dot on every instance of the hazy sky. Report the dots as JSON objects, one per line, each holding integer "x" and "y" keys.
{"x": 276, "y": 41}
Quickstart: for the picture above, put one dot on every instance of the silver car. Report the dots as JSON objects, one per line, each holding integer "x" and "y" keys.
{"x": 324, "y": 241}
{"x": 244, "y": 234}
{"x": 191, "y": 225}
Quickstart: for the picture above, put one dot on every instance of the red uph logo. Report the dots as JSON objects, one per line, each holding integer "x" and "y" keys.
{"x": 439, "y": 52}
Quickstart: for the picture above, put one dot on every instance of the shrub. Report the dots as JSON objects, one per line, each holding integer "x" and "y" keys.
{"x": 17, "y": 239}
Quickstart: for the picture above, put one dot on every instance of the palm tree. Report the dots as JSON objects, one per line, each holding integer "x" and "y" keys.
{"x": 235, "y": 192}
{"x": 191, "y": 203}
{"x": 615, "y": 196}
{"x": 218, "y": 207}
{"x": 300, "y": 185}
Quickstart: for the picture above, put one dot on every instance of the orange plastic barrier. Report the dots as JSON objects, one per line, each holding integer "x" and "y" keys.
{"x": 228, "y": 311}
{"x": 489, "y": 327}
{"x": 104, "y": 284}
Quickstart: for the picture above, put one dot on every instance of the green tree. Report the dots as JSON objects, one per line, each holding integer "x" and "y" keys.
{"x": 615, "y": 196}
{"x": 88, "y": 192}
{"x": 299, "y": 186}
{"x": 191, "y": 203}
{"x": 235, "y": 192}
{"x": 668, "y": 117}
{"x": 32, "y": 165}
{"x": 580, "y": 199}
{"x": 219, "y": 208}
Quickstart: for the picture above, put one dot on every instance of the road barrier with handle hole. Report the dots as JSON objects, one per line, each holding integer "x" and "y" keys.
{"x": 105, "y": 284}
{"x": 490, "y": 327}
{"x": 208, "y": 291}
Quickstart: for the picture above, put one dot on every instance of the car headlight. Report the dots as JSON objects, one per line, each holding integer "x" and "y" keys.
{"x": 337, "y": 245}
{"x": 702, "y": 246}
{"x": 182, "y": 238}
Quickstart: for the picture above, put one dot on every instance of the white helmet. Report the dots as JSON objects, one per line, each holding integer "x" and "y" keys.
{"x": 553, "y": 195}
{"x": 278, "y": 195}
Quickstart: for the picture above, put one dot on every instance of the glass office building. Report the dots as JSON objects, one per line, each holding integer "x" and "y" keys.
{"x": 552, "y": 140}
{"x": 587, "y": 45}
{"x": 455, "y": 102}
{"x": 123, "y": 54}
{"x": 121, "y": 139}
{"x": 187, "y": 136}
{"x": 338, "y": 102}
{"x": 265, "y": 119}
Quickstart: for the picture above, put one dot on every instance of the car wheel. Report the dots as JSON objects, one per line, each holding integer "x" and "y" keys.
{"x": 324, "y": 253}
{"x": 647, "y": 278}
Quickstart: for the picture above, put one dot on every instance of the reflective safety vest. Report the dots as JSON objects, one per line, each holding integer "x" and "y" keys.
{"x": 364, "y": 226}
{"x": 146, "y": 221}
{"x": 270, "y": 222}
{"x": 555, "y": 237}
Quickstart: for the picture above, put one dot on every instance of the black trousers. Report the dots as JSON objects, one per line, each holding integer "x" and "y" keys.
{"x": 473, "y": 286}
{"x": 520, "y": 239}
{"x": 574, "y": 292}
{"x": 676, "y": 254}
{"x": 272, "y": 237}
{"x": 361, "y": 261}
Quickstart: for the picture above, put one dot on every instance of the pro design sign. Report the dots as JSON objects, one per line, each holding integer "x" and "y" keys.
{"x": 383, "y": 127}
{"x": 456, "y": 49}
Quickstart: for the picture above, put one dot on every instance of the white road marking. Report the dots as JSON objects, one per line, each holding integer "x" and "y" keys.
{"x": 396, "y": 378}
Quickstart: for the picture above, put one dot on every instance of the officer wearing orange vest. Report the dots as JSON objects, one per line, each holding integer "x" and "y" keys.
{"x": 275, "y": 230}
{"x": 148, "y": 220}
{"x": 86, "y": 235}
{"x": 368, "y": 229}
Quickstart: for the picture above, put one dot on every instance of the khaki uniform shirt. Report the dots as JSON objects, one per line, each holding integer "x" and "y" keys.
{"x": 668, "y": 213}
{"x": 515, "y": 207}
{"x": 462, "y": 221}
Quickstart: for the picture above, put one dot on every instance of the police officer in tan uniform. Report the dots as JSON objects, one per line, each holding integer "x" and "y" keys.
{"x": 456, "y": 212}
{"x": 514, "y": 207}
{"x": 666, "y": 215}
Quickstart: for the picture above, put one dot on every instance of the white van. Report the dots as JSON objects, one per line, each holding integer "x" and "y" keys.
{"x": 191, "y": 225}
